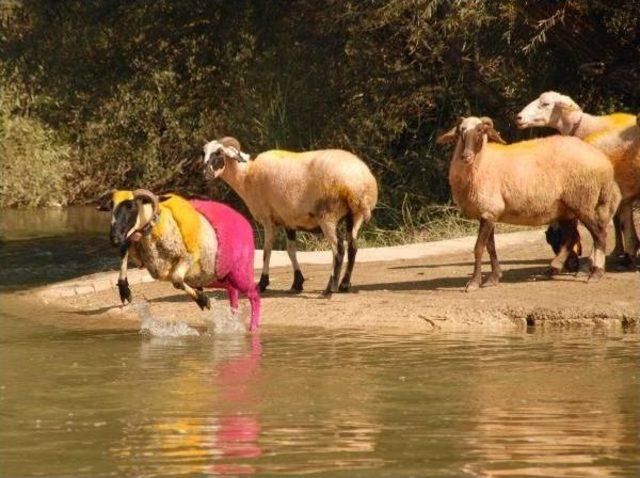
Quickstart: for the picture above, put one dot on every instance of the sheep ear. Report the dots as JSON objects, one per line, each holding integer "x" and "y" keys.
{"x": 494, "y": 135}
{"x": 566, "y": 103}
{"x": 449, "y": 137}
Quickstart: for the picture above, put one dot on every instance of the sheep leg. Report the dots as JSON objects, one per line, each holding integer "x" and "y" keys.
{"x": 599, "y": 234}
{"x": 618, "y": 250}
{"x": 354, "y": 222}
{"x": 254, "y": 300}
{"x": 298, "y": 278}
{"x": 483, "y": 235}
{"x": 625, "y": 213}
{"x": 496, "y": 273}
{"x": 330, "y": 231}
{"x": 233, "y": 297}
{"x": 269, "y": 233}
{"x": 123, "y": 282}
{"x": 568, "y": 238}
{"x": 177, "y": 279}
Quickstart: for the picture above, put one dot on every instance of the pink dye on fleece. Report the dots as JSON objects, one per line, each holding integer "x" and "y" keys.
{"x": 234, "y": 262}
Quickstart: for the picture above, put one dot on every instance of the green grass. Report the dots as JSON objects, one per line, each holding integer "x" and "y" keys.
{"x": 445, "y": 223}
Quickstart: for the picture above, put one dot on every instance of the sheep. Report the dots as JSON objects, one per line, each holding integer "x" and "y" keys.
{"x": 194, "y": 244}
{"x": 529, "y": 183}
{"x": 308, "y": 191}
{"x": 617, "y": 135}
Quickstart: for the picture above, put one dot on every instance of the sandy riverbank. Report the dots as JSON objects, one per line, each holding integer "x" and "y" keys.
{"x": 419, "y": 287}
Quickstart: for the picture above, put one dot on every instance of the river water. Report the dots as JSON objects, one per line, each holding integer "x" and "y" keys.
{"x": 295, "y": 401}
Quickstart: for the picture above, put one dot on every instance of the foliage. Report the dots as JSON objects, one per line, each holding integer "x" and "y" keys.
{"x": 135, "y": 87}
{"x": 34, "y": 169}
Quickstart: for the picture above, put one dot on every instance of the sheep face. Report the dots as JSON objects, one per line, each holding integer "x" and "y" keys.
{"x": 546, "y": 110}
{"x": 469, "y": 134}
{"x": 123, "y": 219}
{"x": 217, "y": 154}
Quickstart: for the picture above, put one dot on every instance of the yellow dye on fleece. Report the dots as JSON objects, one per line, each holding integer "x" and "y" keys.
{"x": 187, "y": 219}
{"x": 281, "y": 153}
{"x": 119, "y": 196}
{"x": 616, "y": 121}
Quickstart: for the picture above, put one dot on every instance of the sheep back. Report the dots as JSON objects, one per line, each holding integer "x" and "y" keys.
{"x": 187, "y": 220}
{"x": 297, "y": 187}
{"x": 621, "y": 143}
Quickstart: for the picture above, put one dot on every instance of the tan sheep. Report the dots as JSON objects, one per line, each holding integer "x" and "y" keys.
{"x": 617, "y": 135}
{"x": 530, "y": 183}
{"x": 300, "y": 191}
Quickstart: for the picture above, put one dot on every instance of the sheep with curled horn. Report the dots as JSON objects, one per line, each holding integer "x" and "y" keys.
{"x": 531, "y": 183}
{"x": 303, "y": 191}
{"x": 194, "y": 244}
{"x": 617, "y": 135}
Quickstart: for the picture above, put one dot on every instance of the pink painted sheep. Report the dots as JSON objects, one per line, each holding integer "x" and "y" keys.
{"x": 194, "y": 244}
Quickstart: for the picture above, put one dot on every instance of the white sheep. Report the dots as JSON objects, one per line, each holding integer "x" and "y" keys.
{"x": 529, "y": 183}
{"x": 300, "y": 191}
{"x": 617, "y": 135}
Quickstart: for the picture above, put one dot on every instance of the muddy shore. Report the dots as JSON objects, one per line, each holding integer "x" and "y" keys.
{"x": 419, "y": 287}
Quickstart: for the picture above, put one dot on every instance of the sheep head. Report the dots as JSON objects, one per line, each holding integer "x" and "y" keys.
{"x": 218, "y": 152}
{"x": 549, "y": 109}
{"x": 470, "y": 132}
{"x": 123, "y": 211}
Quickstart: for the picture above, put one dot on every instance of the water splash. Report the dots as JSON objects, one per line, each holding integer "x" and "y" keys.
{"x": 156, "y": 327}
{"x": 225, "y": 321}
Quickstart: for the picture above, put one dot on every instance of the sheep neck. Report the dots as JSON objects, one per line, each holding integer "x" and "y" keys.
{"x": 234, "y": 175}
{"x": 580, "y": 124}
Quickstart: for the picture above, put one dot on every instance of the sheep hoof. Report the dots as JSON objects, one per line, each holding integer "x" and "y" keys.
{"x": 597, "y": 273}
{"x": 264, "y": 282}
{"x": 202, "y": 300}
{"x": 625, "y": 261}
{"x": 298, "y": 280}
{"x": 492, "y": 280}
{"x": 552, "y": 271}
{"x": 124, "y": 290}
{"x": 344, "y": 287}
{"x": 473, "y": 284}
{"x": 572, "y": 264}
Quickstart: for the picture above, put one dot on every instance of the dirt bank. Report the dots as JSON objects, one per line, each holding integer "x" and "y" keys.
{"x": 413, "y": 288}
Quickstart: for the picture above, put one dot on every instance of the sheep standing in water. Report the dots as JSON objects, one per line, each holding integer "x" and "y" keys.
{"x": 617, "y": 135}
{"x": 529, "y": 183}
{"x": 300, "y": 191}
{"x": 194, "y": 244}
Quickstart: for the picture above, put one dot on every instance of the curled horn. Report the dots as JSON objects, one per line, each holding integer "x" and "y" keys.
{"x": 486, "y": 120}
{"x": 230, "y": 141}
{"x": 144, "y": 193}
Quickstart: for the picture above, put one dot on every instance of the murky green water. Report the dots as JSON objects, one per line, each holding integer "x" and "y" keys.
{"x": 303, "y": 401}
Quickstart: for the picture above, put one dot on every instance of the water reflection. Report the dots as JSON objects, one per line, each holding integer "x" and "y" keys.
{"x": 301, "y": 402}
{"x": 567, "y": 416}
{"x": 220, "y": 432}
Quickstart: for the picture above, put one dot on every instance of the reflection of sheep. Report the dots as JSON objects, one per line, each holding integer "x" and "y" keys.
{"x": 530, "y": 183}
{"x": 300, "y": 191}
{"x": 617, "y": 135}
{"x": 193, "y": 244}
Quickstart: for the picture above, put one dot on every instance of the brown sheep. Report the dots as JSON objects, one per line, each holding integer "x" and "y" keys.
{"x": 529, "y": 183}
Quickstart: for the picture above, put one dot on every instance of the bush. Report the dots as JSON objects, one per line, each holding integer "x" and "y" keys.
{"x": 34, "y": 167}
